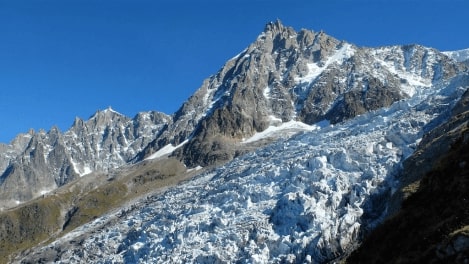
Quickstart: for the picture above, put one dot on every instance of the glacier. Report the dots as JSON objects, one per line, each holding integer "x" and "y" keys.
{"x": 303, "y": 199}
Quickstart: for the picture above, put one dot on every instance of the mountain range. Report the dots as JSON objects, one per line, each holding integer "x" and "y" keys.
{"x": 39, "y": 162}
{"x": 293, "y": 152}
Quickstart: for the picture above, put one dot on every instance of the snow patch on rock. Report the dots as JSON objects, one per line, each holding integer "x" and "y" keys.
{"x": 166, "y": 150}
{"x": 315, "y": 69}
{"x": 282, "y": 129}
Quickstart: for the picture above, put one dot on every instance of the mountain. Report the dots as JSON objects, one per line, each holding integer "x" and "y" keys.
{"x": 293, "y": 152}
{"x": 302, "y": 76}
{"x": 39, "y": 162}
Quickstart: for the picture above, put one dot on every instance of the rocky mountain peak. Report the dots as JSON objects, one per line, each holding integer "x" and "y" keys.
{"x": 276, "y": 28}
{"x": 278, "y": 38}
{"x": 303, "y": 76}
{"x": 458, "y": 55}
{"x": 362, "y": 112}
{"x": 107, "y": 116}
{"x": 78, "y": 122}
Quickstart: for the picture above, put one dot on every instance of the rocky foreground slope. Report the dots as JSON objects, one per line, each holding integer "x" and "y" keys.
{"x": 433, "y": 224}
{"x": 280, "y": 196}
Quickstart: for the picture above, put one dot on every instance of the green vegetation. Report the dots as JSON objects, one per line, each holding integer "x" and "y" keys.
{"x": 29, "y": 225}
{"x": 94, "y": 204}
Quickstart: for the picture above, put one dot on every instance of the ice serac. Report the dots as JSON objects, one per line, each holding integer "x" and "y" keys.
{"x": 302, "y": 76}
{"x": 37, "y": 163}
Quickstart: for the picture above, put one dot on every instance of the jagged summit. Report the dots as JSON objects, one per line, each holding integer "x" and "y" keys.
{"x": 276, "y": 27}
{"x": 303, "y": 76}
{"x": 36, "y": 162}
{"x": 106, "y": 112}
{"x": 273, "y": 24}
{"x": 304, "y": 199}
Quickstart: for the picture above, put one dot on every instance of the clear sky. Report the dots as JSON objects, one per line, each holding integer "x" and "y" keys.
{"x": 65, "y": 58}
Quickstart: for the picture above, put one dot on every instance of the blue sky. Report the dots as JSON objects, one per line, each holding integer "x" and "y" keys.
{"x": 65, "y": 58}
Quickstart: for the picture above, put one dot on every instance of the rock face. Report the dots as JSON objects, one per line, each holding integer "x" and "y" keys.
{"x": 37, "y": 163}
{"x": 287, "y": 75}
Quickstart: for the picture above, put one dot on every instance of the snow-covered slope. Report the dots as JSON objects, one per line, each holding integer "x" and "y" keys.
{"x": 300, "y": 200}
{"x": 458, "y": 55}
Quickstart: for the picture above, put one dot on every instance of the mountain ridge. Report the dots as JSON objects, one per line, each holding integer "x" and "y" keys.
{"x": 43, "y": 161}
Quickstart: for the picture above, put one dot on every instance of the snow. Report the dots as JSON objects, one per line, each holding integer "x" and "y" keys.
{"x": 314, "y": 70}
{"x": 80, "y": 169}
{"x": 43, "y": 192}
{"x": 267, "y": 92}
{"x": 110, "y": 110}
{"x": 86, "y": 170}
{"x": 458, "y": 55}
{"x": 195, "y": 169}
{"x": 273, "y": 131}
{"x": 137, "y": 246}
{"x": 47, "y": 150}
{"x": 238, "y": 55}
{"x": 301, "y": 199}
{"x": 105, "y": 111}
{"x": 166, "y": 150}
{"x": 414, "y": 80}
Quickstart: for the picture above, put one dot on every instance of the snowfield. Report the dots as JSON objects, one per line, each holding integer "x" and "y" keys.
{"x": 303, "y": 199}
{"x": 459, "y": 55}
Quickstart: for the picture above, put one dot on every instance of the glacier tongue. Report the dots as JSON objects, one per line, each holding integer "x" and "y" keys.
{"x": 302, "y": 199}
